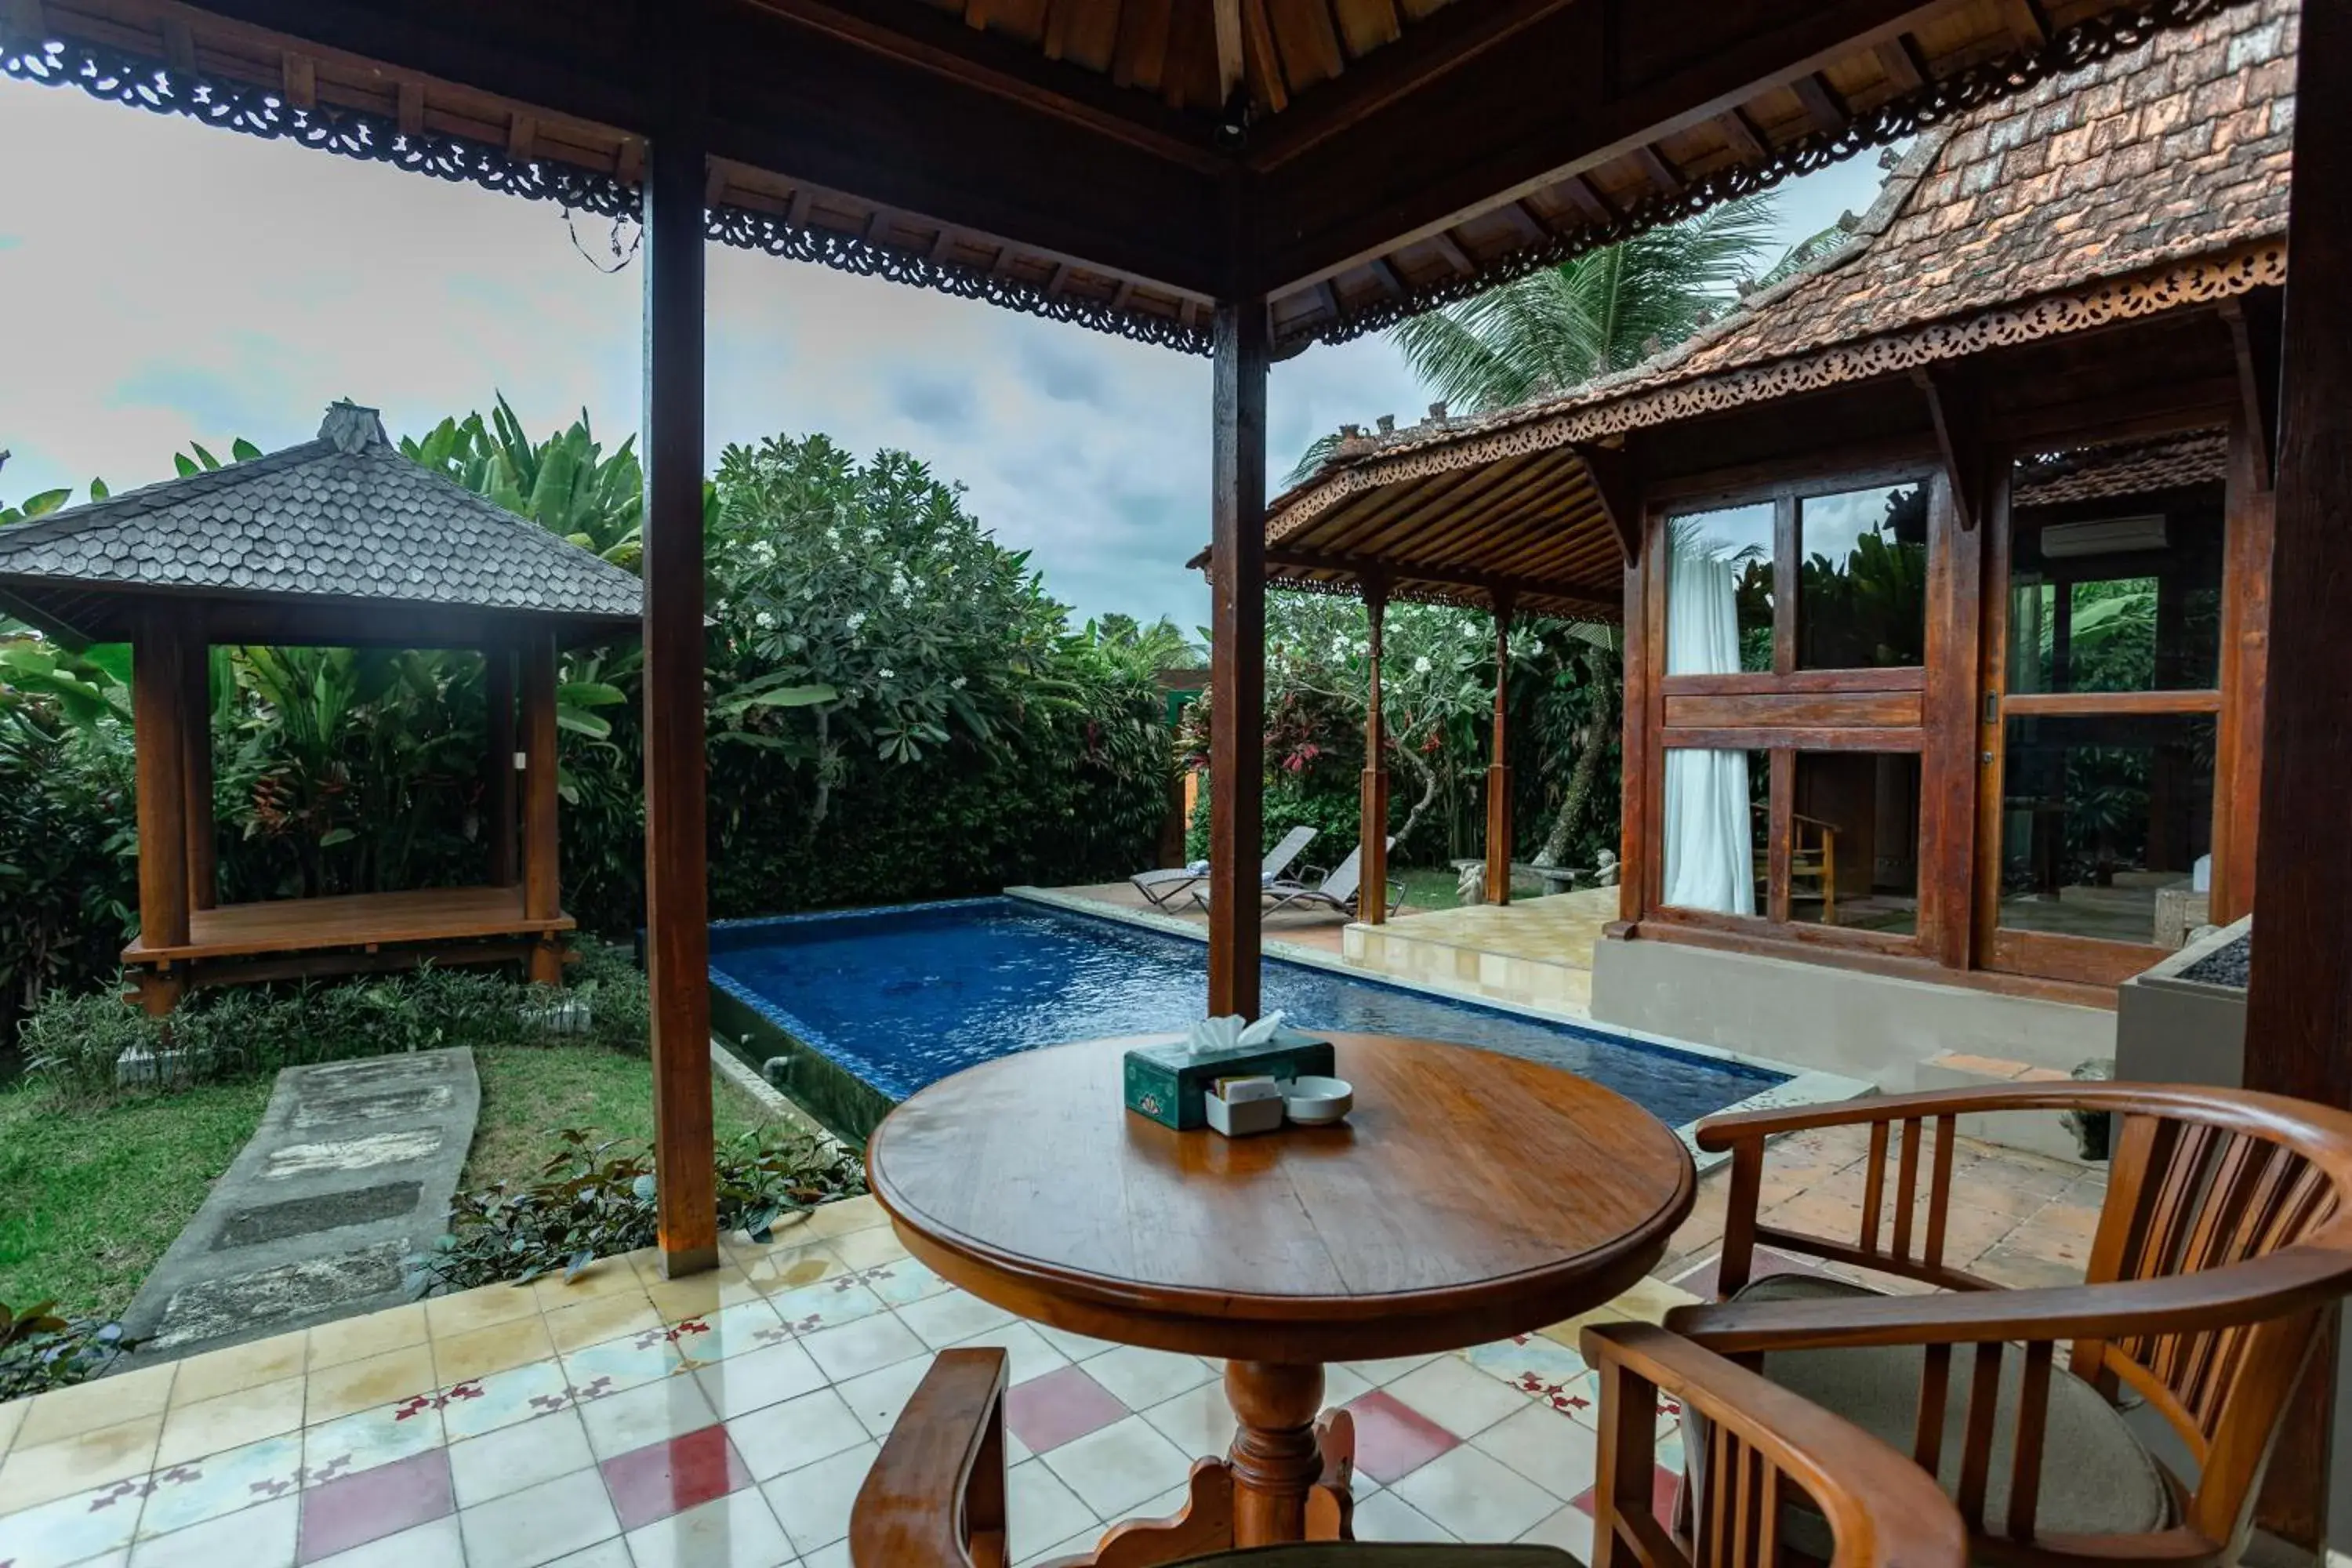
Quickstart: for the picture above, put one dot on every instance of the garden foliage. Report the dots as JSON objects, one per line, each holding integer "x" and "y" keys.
{"x": 897, "y": 710}
{"x": 597, "y": 1199}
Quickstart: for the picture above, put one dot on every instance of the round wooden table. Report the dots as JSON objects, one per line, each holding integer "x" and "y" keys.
{"x": 1469, "y": 1196}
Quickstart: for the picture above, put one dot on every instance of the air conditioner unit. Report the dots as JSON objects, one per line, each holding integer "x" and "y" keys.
{"x": 2107, "y": 536}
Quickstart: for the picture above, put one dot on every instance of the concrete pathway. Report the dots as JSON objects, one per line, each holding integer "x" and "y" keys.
{"x": 350, "y": 1172}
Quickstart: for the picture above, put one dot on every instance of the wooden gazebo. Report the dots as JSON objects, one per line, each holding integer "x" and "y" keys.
{"x": 339, "y": 542}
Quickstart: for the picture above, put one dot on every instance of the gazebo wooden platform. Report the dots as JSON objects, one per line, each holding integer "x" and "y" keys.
{"x": 339, "y": 542}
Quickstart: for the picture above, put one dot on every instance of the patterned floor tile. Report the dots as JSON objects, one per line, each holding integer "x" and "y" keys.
{"x": 866, "y": 1345}
{"x": 867, "y": 1248}
{"x": 943, "y": 1320}
{"x": 372, "y": 1437}
{"x": 1384, "y": 1516}
{"x": 179, "y": 1496}
{"x": 672, "y": 1475}
{"x": 877, "y": 1397}
{"x": 1476, "y": 1497}
{"x": 1141, "y": 1378}
{"x": 742, "y": 1383}
{"x": 495, "y": 1347}
{"x": 1457, "y": 1396}
{"x": 827, "y": 1305}
{"x": 352, "y": 1511}
{"x": 1664, "y": 1483}
{"x": 1119, "y": 1468}
{"x": 901, "y": 1281}
{"x": 1026, "y": 1351}
{"x": 367, "y": 1382}
{"x": 241, "y": 1367}
{"x": 1393, "y": 1439}
{"x": 1541, "y": 1368}
{"x": 512, "y": 1458}
{"x": 262, "y": 1536}
{"x": 600, "y": 1371}
{"x": 70, "y": 1529}
{"x": 595, "y": 1319}
{"x": 229, "y": 1421}
{"x": 478, "y": 1308}
{"x": 797, "y": 1432}
{"x": 737, "y": 1531}
{"x": 636, "y": 1416}
{"x": 1200, "y": 1422}
{"x": 523, "y": 1394}
{"x": 438, "y": 1545}
{"x": 1556, "y": 1453}
{"x": 813, "y": 1502}
{"x": 360, "y": 1339}
{"x": 1044, "y": 1510}
{"x": 541, "y": 1524}
{"x": 108, "y": 1401}
{"x": 34, "y": 1474}
{"x": 1061, "y": 1406}
{"x": 730, "y": 1331}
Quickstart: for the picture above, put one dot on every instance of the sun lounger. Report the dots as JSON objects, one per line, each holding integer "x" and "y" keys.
{"x": 1338, "y": 891}
{"x": 1159, "y": 888}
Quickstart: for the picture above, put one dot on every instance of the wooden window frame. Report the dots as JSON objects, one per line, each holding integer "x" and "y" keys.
{"x": 2060, "y": 956}
{"x": 1787, "y": 711}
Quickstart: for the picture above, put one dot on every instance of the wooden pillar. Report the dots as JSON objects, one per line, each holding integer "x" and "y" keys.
{"x": 542, "y": 886}
{"x": 196, "y": 737}
{"x": 1373, "y": 827}
{"x": 1498, "y": 769}
{"x": 498, "y": 764}
{"x": 158, "y": 706}
{"x": 1634, "y": 782}
{"x": 2299, "y": 1006}
{"x": 677, "y": 936}
{"x": 1237, "y": 654}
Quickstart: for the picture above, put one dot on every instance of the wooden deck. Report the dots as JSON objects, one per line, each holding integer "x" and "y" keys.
{"x": 365, "y": 920}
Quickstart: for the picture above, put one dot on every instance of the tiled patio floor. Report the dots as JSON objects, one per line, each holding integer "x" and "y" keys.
{"x": 729, "y": 1418}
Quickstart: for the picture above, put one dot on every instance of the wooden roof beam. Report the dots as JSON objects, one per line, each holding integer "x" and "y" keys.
{"x": 2255, "y": 341}
{"x": 1900, "y": 58}
{"x": 1663, "y": 176}
{"x": 1822, "y": 111}
{"x": 1359, "y": 567}
{"x": 1740, "y": 135}
{"x": 1957, "y": 411}
{"x": 1613, "y": 481}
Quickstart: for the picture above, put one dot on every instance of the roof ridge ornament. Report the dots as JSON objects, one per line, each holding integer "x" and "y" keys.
{"x": 351, "y": 428}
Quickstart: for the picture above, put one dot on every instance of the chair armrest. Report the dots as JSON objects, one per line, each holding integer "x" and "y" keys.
{"x": 935, "y": 1496}
{"x": 1883, "y": 1509}
{"x": 2238, "y": 1107}
{"x": 2272, "y": 1286}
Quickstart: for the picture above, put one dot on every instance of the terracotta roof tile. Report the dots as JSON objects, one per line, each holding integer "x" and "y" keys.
{"x": 2175, "y": 150}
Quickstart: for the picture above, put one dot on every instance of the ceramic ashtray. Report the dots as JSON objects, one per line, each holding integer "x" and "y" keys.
{"x": 1315, "y": 1100}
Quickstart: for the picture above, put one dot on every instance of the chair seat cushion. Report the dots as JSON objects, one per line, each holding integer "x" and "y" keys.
{"x": 1386, "y": 1554}
{"x": 2097, "y": 1479}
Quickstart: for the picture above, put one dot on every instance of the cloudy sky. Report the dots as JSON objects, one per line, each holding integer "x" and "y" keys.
{"x": 167, "y": 281}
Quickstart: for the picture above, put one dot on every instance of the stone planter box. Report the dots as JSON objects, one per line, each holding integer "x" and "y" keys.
{"x": 2184, "y": 1021}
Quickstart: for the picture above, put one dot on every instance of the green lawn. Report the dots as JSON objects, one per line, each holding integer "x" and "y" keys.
{"x": 91, "y": 1194}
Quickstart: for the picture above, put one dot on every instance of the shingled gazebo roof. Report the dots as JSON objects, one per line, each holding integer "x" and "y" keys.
{"x": 339, "y": 541}
{"x": 2153, "y": 180}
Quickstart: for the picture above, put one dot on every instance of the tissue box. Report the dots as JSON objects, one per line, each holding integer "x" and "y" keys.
{"x": 1169, "y": 1085}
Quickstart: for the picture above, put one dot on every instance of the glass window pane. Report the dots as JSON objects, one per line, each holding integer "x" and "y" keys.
{"x": 1862, "y": 597}
{"x": 1717, "y": 830}
{"x": 2115, "y": 567}
{"x": 1719, "y": 590}
{"x": 1853, "y": 859}
{"x": 2099, "y": 815}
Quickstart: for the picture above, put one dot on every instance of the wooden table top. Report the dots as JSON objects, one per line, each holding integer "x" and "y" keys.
{"x": 1468, "y": 1196}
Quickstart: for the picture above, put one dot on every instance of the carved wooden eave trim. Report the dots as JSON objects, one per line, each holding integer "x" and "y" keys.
{"x": 2201, "y": 281}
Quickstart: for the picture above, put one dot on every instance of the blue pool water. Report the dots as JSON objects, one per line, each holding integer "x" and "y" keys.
{"x": 902, "y": 997}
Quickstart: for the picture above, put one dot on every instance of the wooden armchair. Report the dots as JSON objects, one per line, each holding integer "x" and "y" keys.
{"x": 936, "y": 1496}
{"x": 2224, "y": 1239}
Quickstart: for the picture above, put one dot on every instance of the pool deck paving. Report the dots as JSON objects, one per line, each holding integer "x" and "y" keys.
{"x": 729, "y": 1418}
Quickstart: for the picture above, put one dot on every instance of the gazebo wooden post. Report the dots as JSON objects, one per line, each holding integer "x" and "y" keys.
{"x": 196, "y": 737}
{"x": 542, "y": 881}
{"x": 499, "y": 763}
{"x": 678, "y": 935}
{"x": 2299, "y": 1003}
{"x": 1499, "y": 767}
{"x": 158, "y": 706}
{"x": 1372, "y": 825}
{"x": 1237, "y": 653}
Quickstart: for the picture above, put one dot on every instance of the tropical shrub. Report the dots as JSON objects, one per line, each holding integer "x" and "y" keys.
{"x": 897, "y": 710}
{"x": 597, "y": 1199}
{"x": 76, "y": 1039}
{"x": 40, "y": 1351}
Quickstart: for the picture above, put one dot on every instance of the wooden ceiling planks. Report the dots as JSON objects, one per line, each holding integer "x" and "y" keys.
{"x": 1408, "y": 153}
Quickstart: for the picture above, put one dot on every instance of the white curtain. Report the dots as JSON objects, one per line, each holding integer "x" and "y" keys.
{"x": 1707, "y": 836}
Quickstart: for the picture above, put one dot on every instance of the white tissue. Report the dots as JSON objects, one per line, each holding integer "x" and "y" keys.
{"x": 1225, "y": 1034}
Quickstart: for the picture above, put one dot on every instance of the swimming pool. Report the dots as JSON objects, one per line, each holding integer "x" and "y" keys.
{"x": 851, "y": 1012}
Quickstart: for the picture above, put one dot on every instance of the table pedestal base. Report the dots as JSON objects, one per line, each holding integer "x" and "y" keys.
{"x": 1287, "y": 1477}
